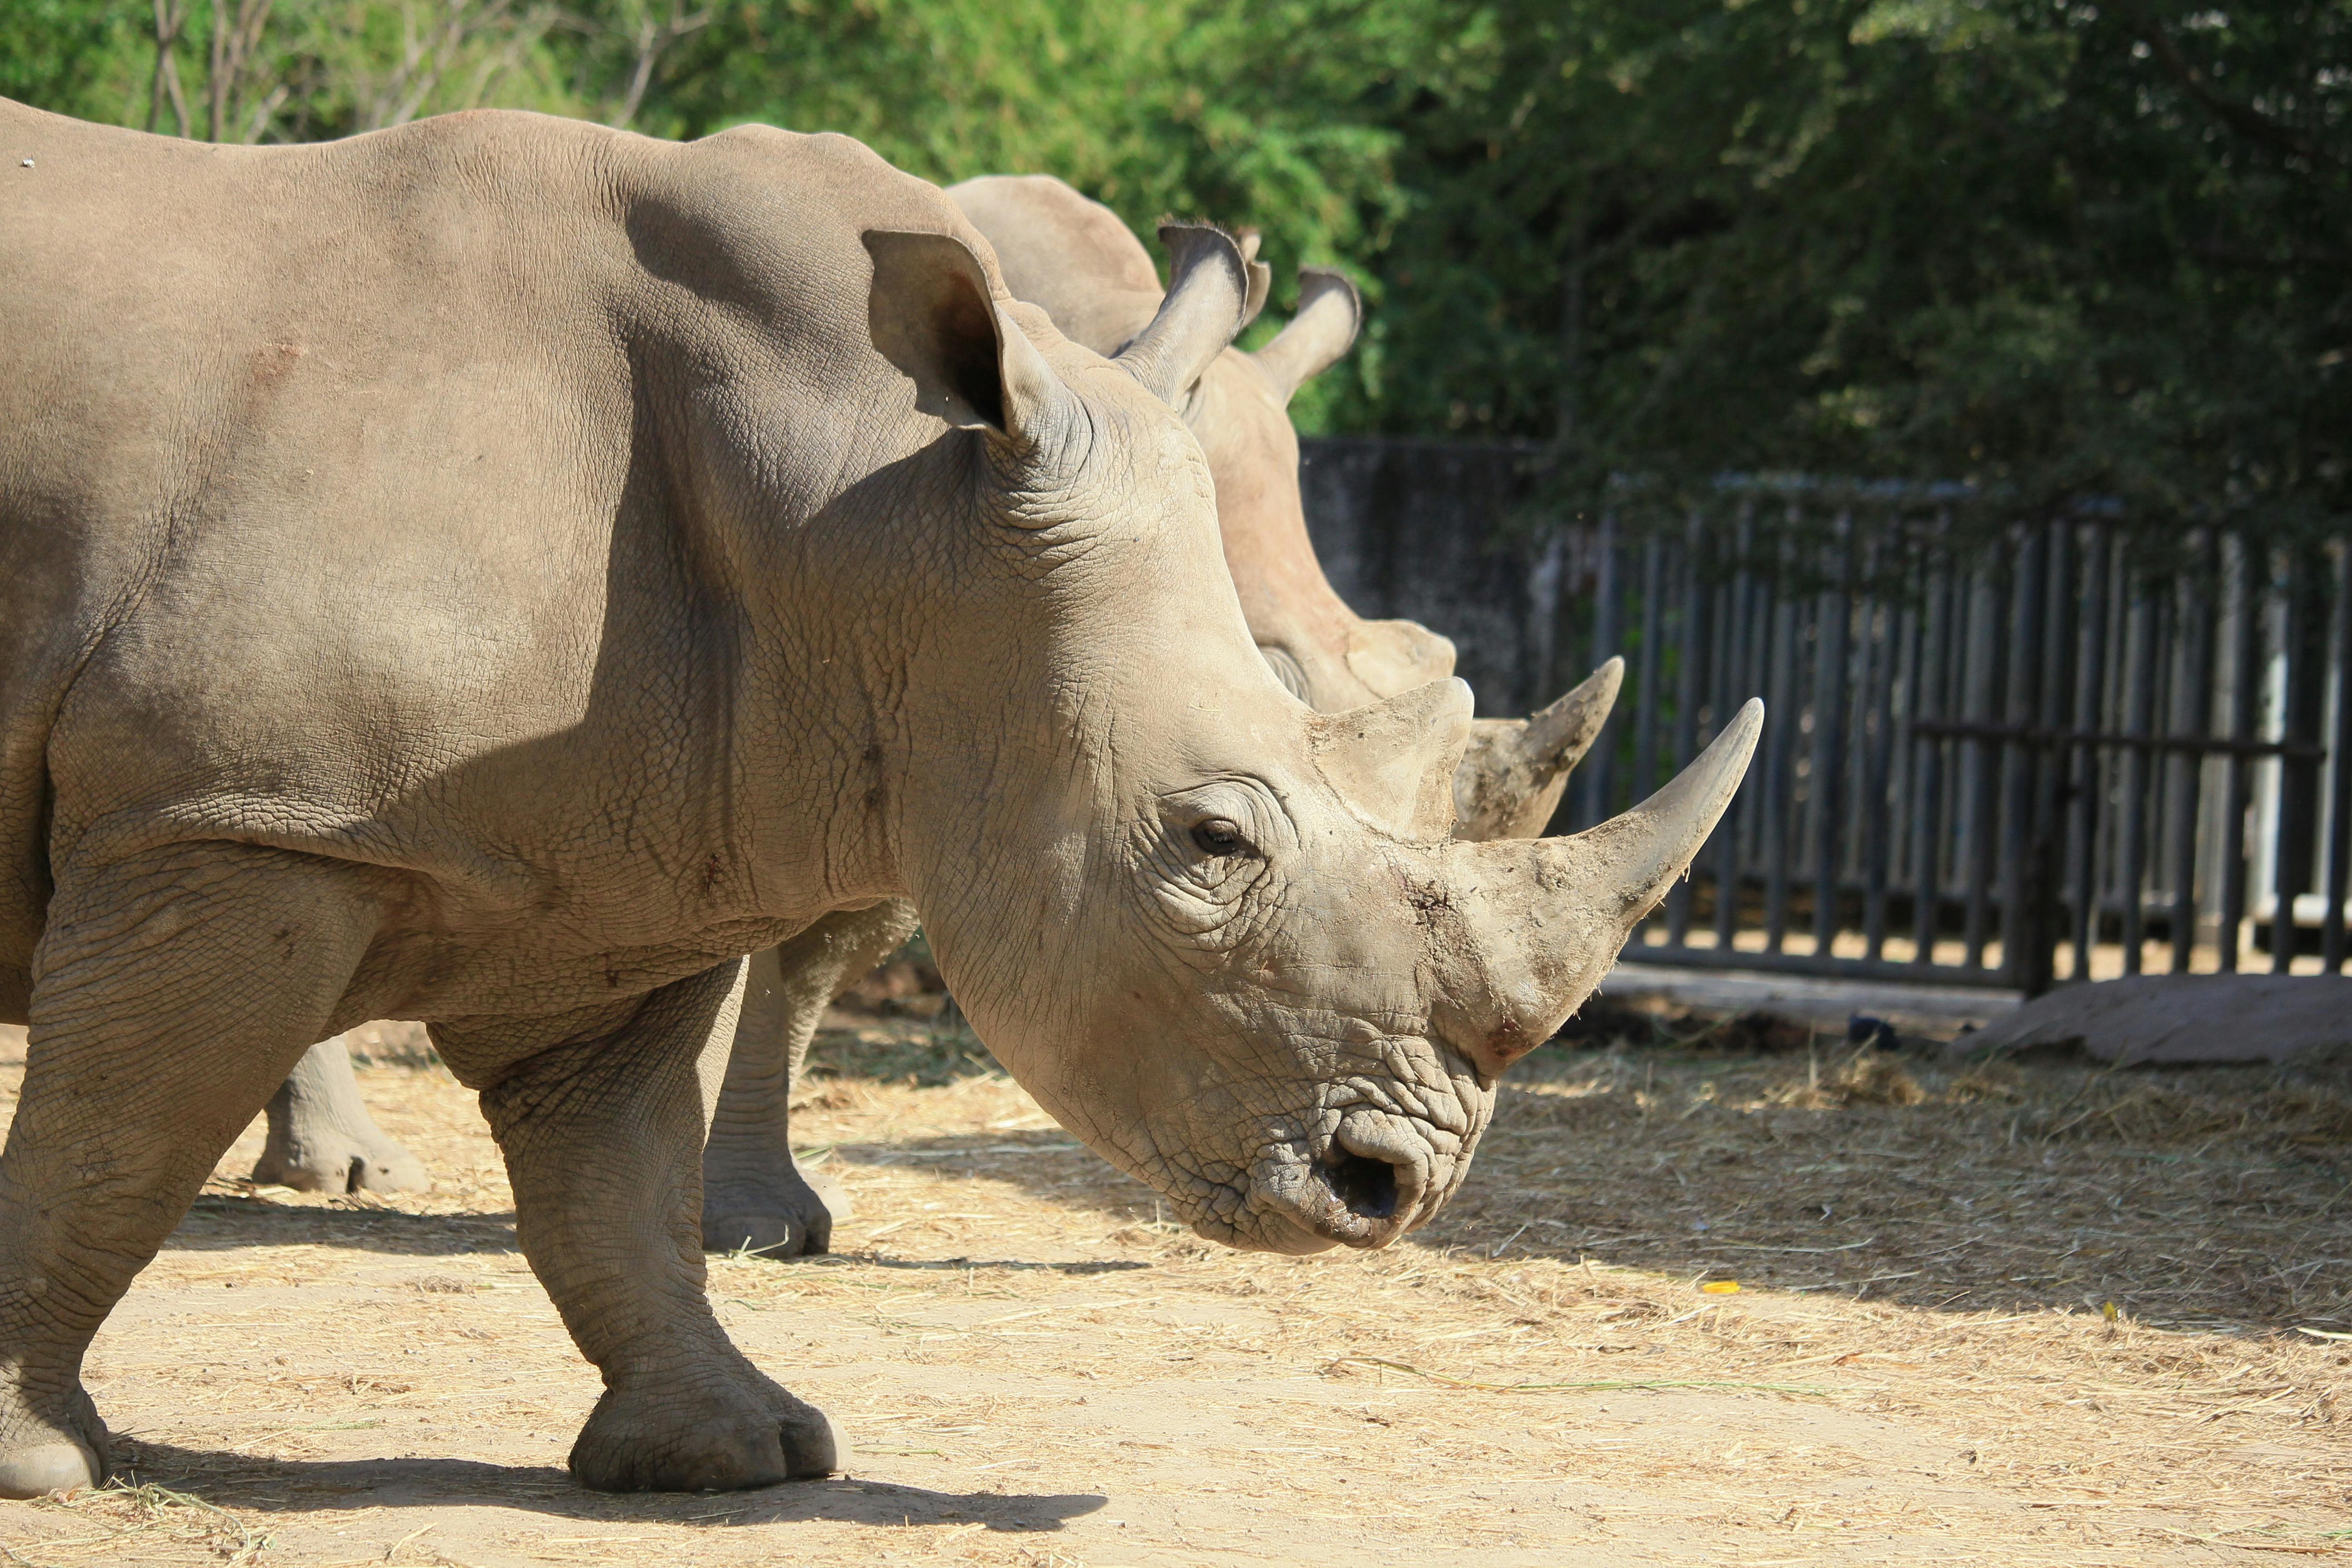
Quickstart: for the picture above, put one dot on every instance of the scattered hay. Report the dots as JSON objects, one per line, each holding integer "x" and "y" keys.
{"x": 1864, "y": 1077}
{"x": 147, "y": 1523}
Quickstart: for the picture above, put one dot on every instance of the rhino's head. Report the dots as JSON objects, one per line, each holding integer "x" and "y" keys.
{"x": 1226, "y": 939}
{"x": 1309, "y": 987}
{"x": 1077, "y": 260}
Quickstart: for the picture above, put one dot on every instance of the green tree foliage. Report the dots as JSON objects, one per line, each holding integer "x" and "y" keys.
{"x": 2057, "y": 249}
{"x": 1249, "y": 112}
{"x": 54, "y": 53}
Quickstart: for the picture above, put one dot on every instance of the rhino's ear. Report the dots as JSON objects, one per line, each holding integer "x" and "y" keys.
{"x": 1208, "y": 292}
{"x": 933, "y": 315}
{"x": 1325, "y": 328}
{"x": 1261, "y": 275}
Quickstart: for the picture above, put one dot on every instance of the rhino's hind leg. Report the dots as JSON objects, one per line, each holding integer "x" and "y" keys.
{"x": 169, "y": 996}
{"x": 755, "y": 1194}
{"x": 321, "y": 1138}
{"x": 602, "y": 1137}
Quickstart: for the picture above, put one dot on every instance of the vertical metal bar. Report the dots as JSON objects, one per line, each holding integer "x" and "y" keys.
{"x": 2192, "y": 711}
{"x": 2159, "y": 707}
{"x": 1909, "y": 612}
{"x": 1761, "y": 588}
{"x": 1927, "y": 882}
{"x": 1982, "y": 650}
{"x": 1828, "y": 759}
{"x": 2038, "y": 924}
{"x": 2016, "y": 805}
{"x": 2339, "y": 765}
{"x": 2244, "y": 572}
{"x": 2282, "y": 830}
{"x": 2060, "y": 606}
{"x": 1646, "y": 694}
{"x": 1778, "y": 740}
{"x": 1737, "y": 666}
{"x": 2140, "y": 698}
{"x": 2304, "y": 648}
{"x": 1691, "y": 656}
{"x": 1598, "y": 773}
{"x": 1882, "y": 634}
{"x": 2110, "y": 763}
{"x": 2083, "y": 772}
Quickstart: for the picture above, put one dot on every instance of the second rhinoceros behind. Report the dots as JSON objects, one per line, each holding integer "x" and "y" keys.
{"x": 497, "y": 571}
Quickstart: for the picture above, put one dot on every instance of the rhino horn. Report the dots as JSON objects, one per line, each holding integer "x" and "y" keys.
{"x": 1393, "y": 761}
{"x": 1205, "y": 305}
{"x": 1532, "y": 926}
{"x": 1323, "y": 328}
{"x": 1515, "y": 769}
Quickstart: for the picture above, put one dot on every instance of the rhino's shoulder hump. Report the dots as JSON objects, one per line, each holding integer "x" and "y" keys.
{"x": 756, "y": 177}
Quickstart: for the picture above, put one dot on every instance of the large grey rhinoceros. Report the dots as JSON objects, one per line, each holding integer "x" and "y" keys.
{"x": 1075, "y": 259}
{"x": 499, "y": 570}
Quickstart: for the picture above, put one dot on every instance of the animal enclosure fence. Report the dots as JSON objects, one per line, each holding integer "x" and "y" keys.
{"x": 2067, "y": 755}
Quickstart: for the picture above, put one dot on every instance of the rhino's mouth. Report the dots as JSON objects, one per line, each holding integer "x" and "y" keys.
{"x": 1365, "y": 1187}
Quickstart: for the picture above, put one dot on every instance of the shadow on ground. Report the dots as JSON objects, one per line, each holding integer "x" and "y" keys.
{"x": 239, "y": 1481}
{"x": 219, "y": 1224}
{"x": 2206, "y": 1197}
{"x": 2209, "y": 1197}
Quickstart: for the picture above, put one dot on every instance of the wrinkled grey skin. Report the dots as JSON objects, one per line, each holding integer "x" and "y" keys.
{"x": 498, "y": 571}
{"x": 1075, "y": 259}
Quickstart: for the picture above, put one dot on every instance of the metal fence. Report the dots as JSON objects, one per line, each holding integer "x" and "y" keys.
{"x": 2064, "y": 756}
{"x": 2042, "y": 763}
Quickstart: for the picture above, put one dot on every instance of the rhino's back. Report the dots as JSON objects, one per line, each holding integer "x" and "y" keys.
{"x": 334, "y": 480}
{"x": 1071, "y": 256}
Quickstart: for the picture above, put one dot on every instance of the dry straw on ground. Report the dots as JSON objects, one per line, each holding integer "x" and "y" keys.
{"x": 2009, "y": 1313}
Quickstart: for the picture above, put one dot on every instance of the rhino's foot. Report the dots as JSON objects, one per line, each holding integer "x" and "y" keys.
{"x": 41, "y": 1454}
{"x": 321, "y": 1138}
{"x": 669, "y": 1437}
{"x": 333, "y": 1160}
{"x": 790, "y": 1214}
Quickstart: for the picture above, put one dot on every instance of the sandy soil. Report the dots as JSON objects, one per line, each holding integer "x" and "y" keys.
{"x": 2024, "y": 1315}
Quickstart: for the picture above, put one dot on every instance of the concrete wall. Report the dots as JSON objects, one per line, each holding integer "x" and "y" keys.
{"x": 1434, "y": 531}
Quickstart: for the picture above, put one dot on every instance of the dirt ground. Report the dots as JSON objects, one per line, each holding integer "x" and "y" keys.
{"x": 2031, "y": 1313}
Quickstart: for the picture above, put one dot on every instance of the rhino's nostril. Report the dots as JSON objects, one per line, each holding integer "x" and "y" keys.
{"x": 1367, "y": 1187}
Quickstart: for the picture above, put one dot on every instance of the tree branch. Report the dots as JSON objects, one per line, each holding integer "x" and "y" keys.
{"x": 171, "y": 19}
{"x": 651, "y": 42}
{"x": 2244, "y": 119}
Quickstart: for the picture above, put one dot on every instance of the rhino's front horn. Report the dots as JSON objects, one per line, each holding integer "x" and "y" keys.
{"x": 1537, "y": 924}
{"x": 1512, "y": 774}
{"x": 1206, "y": 303}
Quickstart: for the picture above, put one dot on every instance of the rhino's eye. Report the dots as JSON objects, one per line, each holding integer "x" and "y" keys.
{"x": 1219, "y": 835}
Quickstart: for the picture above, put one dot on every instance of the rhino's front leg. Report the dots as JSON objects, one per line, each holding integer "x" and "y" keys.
{"x": 321, "y": 1138}
{"x": 602, "y": 1136}
{"x": 169, "y": 996}
{"x": 754, "y": 1193}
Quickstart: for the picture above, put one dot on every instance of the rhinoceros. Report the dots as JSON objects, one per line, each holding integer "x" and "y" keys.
{"x": 1079, "y": 261}
{"x": 499, "y": 571}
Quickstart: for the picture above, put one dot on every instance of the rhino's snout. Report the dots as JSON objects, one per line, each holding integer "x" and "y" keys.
{"x": 1366, "y": 1187}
